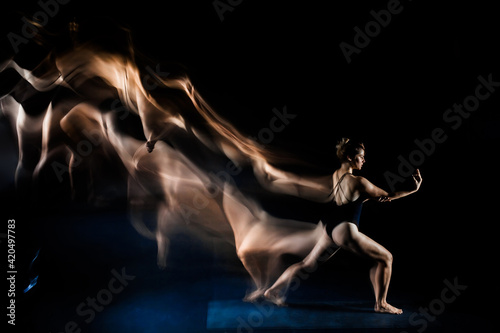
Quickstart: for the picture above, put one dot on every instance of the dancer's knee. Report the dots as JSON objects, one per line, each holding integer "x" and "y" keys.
{"x": 386, "y": 258}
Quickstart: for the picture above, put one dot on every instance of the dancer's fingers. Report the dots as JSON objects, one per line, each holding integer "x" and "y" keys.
{"x": 384, "y": 199}
{"x": 417, "y": 176}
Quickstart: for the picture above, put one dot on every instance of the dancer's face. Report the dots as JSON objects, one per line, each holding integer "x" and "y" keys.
{"x": 358, "y": 160}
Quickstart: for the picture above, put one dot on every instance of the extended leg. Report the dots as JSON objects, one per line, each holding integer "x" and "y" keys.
{"x": 276, "y": 293}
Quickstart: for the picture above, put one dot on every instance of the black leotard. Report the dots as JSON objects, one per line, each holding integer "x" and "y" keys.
{"x": 335, "y": 214}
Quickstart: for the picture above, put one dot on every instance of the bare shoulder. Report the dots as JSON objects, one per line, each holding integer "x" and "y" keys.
{"x": 361, "y": 182}
{"x": 360, "y": 179}
{"x": 357, "y": 179}
{"x": 354, "y": 182}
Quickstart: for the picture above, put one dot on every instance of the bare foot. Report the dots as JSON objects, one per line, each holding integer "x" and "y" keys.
{"x": 254, "y": 296}
{"x": 274, "y": 297}
{"x": 387, "y": 308}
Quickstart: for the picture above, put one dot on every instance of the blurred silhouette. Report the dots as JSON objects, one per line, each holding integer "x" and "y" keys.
{"x": 97, "y": 122}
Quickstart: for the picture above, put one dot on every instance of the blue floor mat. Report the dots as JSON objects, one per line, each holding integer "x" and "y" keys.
{"x": 231, "y": 314}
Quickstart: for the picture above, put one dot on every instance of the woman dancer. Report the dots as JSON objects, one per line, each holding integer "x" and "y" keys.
{"x": 345, "y": 196}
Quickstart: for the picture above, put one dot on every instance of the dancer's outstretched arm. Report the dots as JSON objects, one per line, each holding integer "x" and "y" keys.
{"x": 374, "y": 192}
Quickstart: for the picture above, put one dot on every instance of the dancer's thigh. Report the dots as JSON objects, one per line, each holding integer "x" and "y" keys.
{"x": 347, "y": 236}
{"x": 319, "y": 249}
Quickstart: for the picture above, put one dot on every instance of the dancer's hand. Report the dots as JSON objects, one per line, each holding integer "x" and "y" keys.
{"x": 417, "y": 178}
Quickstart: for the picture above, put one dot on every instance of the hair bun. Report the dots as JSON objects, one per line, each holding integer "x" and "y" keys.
{"x": 346, "y": 147}
{"x": 341, "y": 147}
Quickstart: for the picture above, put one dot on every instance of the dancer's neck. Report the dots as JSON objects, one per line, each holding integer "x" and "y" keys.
{"x": 345, "y": 168}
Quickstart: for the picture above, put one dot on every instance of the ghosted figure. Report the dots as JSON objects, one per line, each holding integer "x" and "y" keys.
{"x": 345, "y": 194}
{"x": 165, "y": 143}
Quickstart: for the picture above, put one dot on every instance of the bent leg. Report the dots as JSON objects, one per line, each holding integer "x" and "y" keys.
{"x": 276, "y": 294}
{"x": 347, "y": 236}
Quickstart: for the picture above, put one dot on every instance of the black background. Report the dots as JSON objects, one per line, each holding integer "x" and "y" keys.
{"x": 267, "y": 55}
